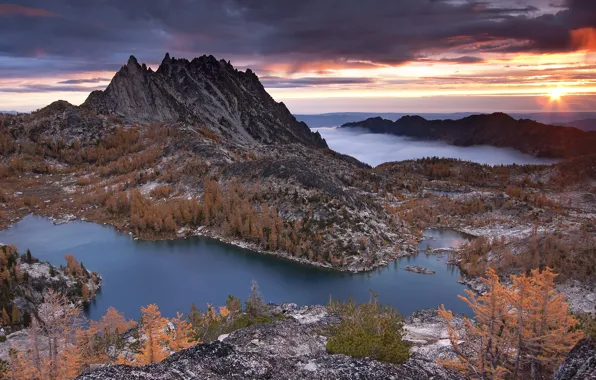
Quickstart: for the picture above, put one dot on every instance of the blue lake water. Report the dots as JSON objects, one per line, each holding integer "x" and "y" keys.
{"x": 174, "y": 274}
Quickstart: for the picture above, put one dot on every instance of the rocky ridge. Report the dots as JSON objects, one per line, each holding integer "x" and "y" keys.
{"x": 292, "y": 348}
{"x": 38, "y": 277}
{"x": 231, "y": 103}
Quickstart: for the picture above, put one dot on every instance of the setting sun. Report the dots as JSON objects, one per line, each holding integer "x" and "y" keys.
{"x": 556, "y": 94}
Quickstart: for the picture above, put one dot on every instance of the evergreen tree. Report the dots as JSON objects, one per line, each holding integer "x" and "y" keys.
{"x": 5, "y": 318}
{"x": 16, "y": 315}
{"x": 255, "y": 306}
{"x": 233, "y": 304}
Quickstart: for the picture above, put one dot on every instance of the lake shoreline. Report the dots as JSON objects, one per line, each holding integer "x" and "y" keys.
{"x": 202, "y": 269}
{"x": 203, "y": 231}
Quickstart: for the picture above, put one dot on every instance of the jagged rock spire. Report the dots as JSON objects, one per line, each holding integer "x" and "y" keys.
{"x": 132, "y": 60}
{"x": 202, "y": 91}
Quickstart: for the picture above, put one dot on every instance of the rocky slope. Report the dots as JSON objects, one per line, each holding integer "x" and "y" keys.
{"x": 292, "y": 348}
{"x": 497, "y": 129}
{"x": 59, "y": 121}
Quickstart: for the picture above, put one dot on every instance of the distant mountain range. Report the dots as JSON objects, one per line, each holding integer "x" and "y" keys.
{"x": 497, "y": 129}
{"x": 581, "y": 120}
{"x": 584, "y": 124}
{"x": 9, "y": 112}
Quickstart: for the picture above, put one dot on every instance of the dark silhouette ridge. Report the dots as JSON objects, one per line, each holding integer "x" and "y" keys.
{"x": 497, "y": 129}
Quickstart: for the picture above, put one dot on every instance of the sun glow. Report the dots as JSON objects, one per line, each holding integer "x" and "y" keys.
{"x": 556, "y": 94}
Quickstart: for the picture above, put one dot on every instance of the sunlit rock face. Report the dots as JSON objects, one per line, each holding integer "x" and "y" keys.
{"x": 204, "y": 91}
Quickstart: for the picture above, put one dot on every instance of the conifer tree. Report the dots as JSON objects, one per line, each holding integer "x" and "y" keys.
{"x": 233, "y": 304}
{"x": 520, "y": 331}
{"x": 5, "y": 317}
{"x": 255, "y": 306}
{"x": 548, "y": 336}
{"x": 180, "y": 337}
{"x": 153, "y": 330}
{"x": 16, "y": 315}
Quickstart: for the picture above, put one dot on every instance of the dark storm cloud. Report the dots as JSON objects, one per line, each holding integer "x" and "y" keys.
{"x": 23, "y": 67}
{"x": 83, "y": 81}
{"x": 377, "y": 31}
{"x": 278, "y": 82}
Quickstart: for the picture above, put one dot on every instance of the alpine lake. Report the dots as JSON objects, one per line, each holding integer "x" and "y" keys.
{"x": 176, "y": 273}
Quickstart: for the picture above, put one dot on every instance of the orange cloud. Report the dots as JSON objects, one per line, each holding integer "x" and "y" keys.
{"x": 13, "y": 9}
{"x": 584, "y": 39}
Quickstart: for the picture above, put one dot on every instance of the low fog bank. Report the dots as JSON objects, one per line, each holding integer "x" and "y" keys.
{"x": 375, "y": 149}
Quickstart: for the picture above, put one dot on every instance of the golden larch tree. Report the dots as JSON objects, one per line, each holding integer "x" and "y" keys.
{"x": 153, "y": 329}
{"x": 487, "y": 336}
{"x": 520, "y": 331}
{"x": 181, "y": 336}
{"x": 108, "y": 330}
{"x": 548, "y": 334}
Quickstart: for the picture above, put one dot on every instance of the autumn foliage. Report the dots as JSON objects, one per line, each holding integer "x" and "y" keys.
{"x": 523, "y": 330}
{"x": 61, "y": 343}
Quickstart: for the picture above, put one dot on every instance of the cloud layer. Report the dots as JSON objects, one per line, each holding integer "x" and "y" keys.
{"x": 379, "y": 31}
{"x": 306, "y": 44}
{"x": 375, "y": 149}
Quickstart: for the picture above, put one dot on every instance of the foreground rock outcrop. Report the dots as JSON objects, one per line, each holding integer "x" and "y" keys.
{"x": 292, "y": 348}
{"x": 580, "y": 364}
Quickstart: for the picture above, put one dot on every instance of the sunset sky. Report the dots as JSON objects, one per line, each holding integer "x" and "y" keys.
{"x": 317, "y": 55}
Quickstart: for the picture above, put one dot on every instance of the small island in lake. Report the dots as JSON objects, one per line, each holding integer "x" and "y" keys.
{"x": 419, "y": 269}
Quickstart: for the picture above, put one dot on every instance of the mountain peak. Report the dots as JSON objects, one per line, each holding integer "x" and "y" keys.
{"x": 166, "y": 65}
{"x": 205, "y": 91}
{"x": 132, "y": 60}
{"x": 411, "y": 118}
